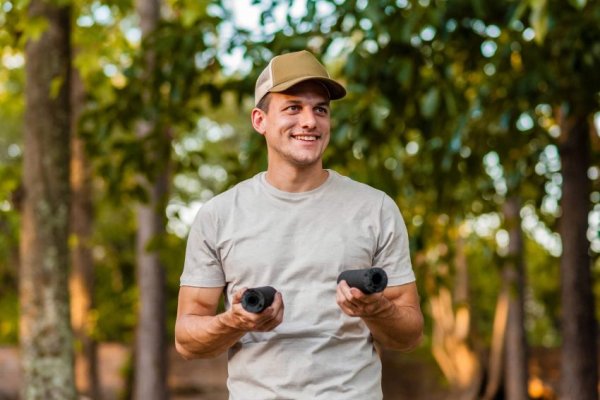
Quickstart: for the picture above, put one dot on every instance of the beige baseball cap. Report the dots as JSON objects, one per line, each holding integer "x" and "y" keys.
{"x": 289, "y": 69}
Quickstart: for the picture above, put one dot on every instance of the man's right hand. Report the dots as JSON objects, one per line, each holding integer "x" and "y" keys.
{"x": 201, "y": 333}
{"x": 238, "y": 318}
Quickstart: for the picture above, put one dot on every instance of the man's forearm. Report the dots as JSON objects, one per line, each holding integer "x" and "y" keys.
{"x": 199, "y": 333}
{"x": 396, "y": 327}
{"x": 394, "y": 316}
{"x": 204, "y": 336}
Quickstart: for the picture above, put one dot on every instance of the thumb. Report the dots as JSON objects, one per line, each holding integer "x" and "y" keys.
{"x": 237, "y": 296}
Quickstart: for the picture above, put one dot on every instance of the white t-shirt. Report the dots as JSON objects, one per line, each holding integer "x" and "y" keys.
{"x": 256, "y": 235}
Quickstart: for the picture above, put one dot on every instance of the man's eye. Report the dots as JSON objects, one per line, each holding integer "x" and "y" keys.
{"x": 321, "y": 110}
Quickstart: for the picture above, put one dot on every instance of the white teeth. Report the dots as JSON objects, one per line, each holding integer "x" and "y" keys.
{"x": 309, "y": 138}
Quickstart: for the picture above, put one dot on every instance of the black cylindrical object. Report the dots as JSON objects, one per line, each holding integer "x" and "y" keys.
{"x": 255, "y": 300}
{"x": 368, "y": 280}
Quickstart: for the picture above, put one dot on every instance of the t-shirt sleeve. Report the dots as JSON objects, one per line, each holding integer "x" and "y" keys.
{"x": 393, "y": 253}
{"x": 202, "y": 266}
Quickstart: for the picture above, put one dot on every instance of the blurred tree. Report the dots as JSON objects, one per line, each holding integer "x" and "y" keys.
{"x": 515, "y": 357}
{"x": 45, "y": 334}
{"x": 82, "y": 264}
{"x": 150, "y": 343}
{"x": 579, "y": 371}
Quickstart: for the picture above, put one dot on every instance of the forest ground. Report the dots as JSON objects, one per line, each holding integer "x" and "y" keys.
{"x": 405, "y": 376}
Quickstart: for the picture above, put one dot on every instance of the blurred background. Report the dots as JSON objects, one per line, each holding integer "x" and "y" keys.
{"x": 118, "y": 120}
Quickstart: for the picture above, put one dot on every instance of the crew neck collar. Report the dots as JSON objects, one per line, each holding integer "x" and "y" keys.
{"x": 294, "y": 195}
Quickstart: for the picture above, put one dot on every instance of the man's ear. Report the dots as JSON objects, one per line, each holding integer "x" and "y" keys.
{"x": 259, "y": 121}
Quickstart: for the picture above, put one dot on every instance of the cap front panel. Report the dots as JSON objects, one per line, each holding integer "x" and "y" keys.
{"x": 295, "y": 66}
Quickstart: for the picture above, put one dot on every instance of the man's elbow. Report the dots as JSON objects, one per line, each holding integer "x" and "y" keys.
{"x": 410, "y": 340}
{"x": 406, "y": 344}
{"x": 183, "y": 352}
{"x": 417, "y": 335}
{"x": 191, "y": 354}
{"x": 413, "y": 343}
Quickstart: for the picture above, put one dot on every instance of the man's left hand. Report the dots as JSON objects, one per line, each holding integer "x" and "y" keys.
{"x": 355, "y": 303}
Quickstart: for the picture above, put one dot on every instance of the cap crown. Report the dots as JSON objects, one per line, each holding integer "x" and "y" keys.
{"x": 289, "y": 69}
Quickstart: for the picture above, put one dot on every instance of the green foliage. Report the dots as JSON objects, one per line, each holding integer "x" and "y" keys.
{"x": 171, "y": 98}
{"x": 542, "y": 303}
{"x": 11, "y": 112}
{"x": 9, "y": 248}
{"x": 113, "y": 245}
{"x": 485, "y": 281}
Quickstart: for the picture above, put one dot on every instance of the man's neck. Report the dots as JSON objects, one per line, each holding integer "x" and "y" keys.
{"x": 297, "y": 180}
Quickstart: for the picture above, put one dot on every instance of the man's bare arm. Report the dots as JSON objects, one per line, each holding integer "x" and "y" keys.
{"x": 202, "y": 333}
{"x": 393, "y": 316}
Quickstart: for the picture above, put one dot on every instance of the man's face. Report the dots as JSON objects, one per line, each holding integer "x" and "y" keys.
{"x": 296, "y": 126}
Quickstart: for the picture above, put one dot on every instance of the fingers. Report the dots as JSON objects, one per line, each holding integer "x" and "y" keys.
{"x": 264, "y": 321}
{"x": 272, "y": 316}
{"x": 237, "y": 296}
{"x": 355, "y": 303}
{"x": 346, "y": 299}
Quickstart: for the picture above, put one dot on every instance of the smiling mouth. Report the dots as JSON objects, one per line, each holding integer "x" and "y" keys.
{"x": 306, "y": 138}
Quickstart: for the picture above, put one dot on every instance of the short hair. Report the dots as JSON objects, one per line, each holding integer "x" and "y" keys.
{"x": 263, "y": 104}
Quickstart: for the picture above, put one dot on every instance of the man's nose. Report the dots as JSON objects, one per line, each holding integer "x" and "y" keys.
{"x": 308, "y": 119}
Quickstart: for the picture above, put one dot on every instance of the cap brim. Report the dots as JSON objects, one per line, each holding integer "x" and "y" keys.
{"x": 336, "y": 91}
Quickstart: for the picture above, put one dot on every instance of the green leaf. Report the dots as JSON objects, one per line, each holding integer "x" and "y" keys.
{"x": 33, "y": 27}
{"x": 539, "y": 19}
{"x": 405, "y": 72}
{"x": 56, "y": 86}
{"x": 429, "y": 102}
{"x": 578, "y": 4}
{"x": 518, "y": 12}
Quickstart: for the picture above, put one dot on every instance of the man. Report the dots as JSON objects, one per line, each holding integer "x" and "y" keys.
{"x": 296, "y": 227}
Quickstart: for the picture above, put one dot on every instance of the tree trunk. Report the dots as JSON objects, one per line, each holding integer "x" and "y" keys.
{"x": 45, "y": 328}
{"x": 508, "y": 354}
{"x": 151, "y": 351}
{"x": 496, "y": 360}
{"x": 579, "y": 364}
{"x": 513, "y": 274}
{"x": 82, "y": 272}
{"x": 451, "y": 331}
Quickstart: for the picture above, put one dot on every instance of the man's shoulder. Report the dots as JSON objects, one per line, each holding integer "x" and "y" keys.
{"x": 247, "y": 187}
{"x": 355, "y": 187}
